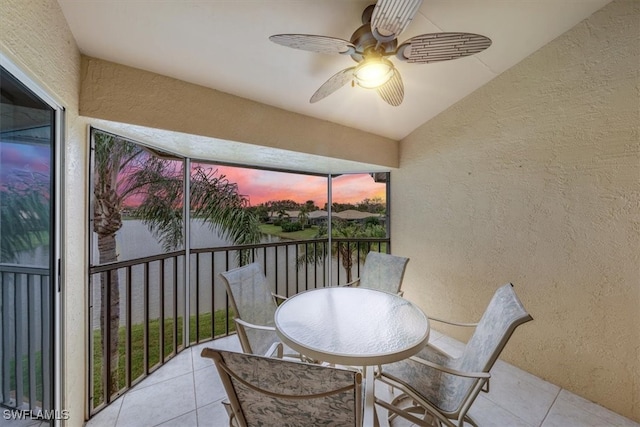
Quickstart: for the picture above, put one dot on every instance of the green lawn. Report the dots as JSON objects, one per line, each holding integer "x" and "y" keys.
{"x": 276, "y": 230}
{"x": 137, "y": 346}
{"x": 25, "y": 377}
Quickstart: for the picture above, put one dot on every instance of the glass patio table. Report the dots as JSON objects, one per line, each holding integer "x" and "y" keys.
{"x": 353, "y": 327}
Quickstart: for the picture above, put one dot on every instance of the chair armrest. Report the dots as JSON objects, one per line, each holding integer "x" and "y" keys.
{"x": 352, "y": 283}
{"x": 279, "y": 299}
{"x": 448, "y": 322}
{"x": 450, "y": 370}
{"x": 276, "y": 348}
{"x": 252, "y": 326}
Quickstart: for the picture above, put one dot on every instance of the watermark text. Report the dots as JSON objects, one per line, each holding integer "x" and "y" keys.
{"x": 29, "y": 414}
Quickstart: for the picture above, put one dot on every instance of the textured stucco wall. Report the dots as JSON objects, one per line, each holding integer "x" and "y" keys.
{"x": 535, "y": 179}
{"x": 35, "y": 36}
{"x": 123, "y": 94}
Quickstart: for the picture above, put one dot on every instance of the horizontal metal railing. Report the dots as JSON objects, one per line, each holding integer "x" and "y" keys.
{"x": 154, "y": 304}
{"x": 25, "y": 321}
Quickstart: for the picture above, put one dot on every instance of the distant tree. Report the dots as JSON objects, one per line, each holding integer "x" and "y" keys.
{"x": 310, "y": 206}
{"x": 262, "y": 212}
{"x": 375, "y": 205}
{"x": 339, "y": 207}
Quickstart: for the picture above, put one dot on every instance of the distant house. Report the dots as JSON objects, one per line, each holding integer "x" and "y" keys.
{"x": 320, "y": 216}
{"x": 354, "y": 215}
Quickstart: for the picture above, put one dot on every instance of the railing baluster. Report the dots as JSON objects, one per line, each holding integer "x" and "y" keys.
{"x": 33, "y": 333}
{"x": 286, "y": 271}
{"x": 4, "y": 359}
{"x": 315, "y": 265}
{"x": 297, "y": 274}
{"x": 46, "y": 355}
{"x": 213, "y": 281}
{"x": 197, "y": 297}
{"x": 8, "y": 285}
{"x": 19, "y": 339}
{"x": 226, "y": 321}
{"x": 106, "y": 337}
{"x": 128, "y": 352}
{"x": 161, "y": 314}
{"x": 145, "y": 359}
{"x": 175, "y": 306}
{"x": 276, "y": 267}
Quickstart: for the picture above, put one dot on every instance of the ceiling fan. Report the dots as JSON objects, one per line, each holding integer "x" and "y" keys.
{"x": 375, "y": 41}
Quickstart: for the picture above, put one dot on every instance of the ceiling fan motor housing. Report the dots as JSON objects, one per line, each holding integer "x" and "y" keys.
{"x": 365, "y": 42}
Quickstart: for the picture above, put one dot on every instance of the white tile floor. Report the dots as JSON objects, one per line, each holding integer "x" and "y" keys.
{"x": 187, "y": 392}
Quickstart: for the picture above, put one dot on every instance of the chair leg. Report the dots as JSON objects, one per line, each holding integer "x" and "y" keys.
{"x": 230, "y": 413}
{"x": 470, "y": 420}
{"x": 415, "y": 409}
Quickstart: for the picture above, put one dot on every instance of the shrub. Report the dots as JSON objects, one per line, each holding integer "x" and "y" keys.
{"x": 288, "y": 227}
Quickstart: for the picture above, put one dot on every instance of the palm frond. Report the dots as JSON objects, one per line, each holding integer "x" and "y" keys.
{"x": 24, "y": 215}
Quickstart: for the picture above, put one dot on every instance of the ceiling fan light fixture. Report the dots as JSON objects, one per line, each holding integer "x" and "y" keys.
{"x": 373, "y": 73}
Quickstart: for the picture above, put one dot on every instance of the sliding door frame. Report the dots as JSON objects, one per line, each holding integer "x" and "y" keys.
{"x": 57, "y": 210}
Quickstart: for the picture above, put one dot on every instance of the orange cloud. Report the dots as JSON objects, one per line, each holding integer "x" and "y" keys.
{"x": 262, "y": 186}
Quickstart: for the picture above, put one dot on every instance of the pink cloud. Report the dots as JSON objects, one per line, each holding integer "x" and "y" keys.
{"x": 262, "y": 186}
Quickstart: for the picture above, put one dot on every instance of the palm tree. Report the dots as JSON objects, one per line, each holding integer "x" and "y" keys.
{"x": 283, "y": 215}
{"x": 123, "y": 170}
{"x": 345, "y": 251}
{"x": 303, "y": 217}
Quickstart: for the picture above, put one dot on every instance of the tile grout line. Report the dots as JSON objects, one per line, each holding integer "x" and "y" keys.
{"x": 555, "y": 399}
{"x": 115, "y": 422}
{"x": 195, "y": 389}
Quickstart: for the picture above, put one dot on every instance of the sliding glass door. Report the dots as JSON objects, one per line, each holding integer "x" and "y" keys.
{"x": 27, "y": 250}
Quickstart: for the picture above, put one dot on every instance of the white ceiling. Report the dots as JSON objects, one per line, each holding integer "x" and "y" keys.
{"x": 224, "y": 45}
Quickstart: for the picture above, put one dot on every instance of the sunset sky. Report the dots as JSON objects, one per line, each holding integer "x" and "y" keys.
{"x": 262, "y": 186}
{"x": 23, "y": 158}
{"x": 259, "y": 185}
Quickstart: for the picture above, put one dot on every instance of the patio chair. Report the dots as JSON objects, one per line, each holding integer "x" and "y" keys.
{"x": 265, "y": 391}
{"x": 442, "y": 388}
{"x": 254, "y": 306}
{"x": 382, "y": 272}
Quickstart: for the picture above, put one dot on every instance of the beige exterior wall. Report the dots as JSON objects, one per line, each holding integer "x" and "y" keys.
{"x": 128, "y": 95}
{"x": 534, "y": 179}
{"x": 35, "y": 35}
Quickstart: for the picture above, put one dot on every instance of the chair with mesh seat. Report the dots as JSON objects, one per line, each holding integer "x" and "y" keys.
{"x": 441, "y": 388}
{"x": 254, "y": 306}
{"x": 382, "y": 272}
{"x": 264, "y": 391}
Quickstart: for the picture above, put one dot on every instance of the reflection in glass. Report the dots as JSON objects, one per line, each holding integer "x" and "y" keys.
{"x": 26, "y": 147}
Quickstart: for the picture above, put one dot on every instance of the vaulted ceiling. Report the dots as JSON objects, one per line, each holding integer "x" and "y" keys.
{"x": 225, "y": 45}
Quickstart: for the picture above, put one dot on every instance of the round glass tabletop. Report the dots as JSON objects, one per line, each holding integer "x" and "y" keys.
{"x": 352, "y": 326}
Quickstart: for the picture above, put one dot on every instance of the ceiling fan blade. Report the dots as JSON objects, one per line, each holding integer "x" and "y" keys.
{"x": 392, "y": 92}
{"x": 391, "y": 17}
{"x": 436, "y": 47}
{"x": 336, "y": 81}
{"x": 313, "y": 43}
